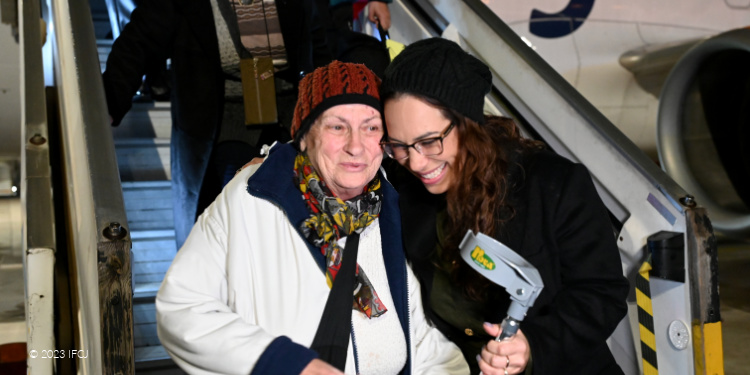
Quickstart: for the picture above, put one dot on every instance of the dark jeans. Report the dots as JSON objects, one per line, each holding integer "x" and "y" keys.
{"x": 200, "y": 169}
{"x": 227, "y": 157}
{"x": 189, "y": 161}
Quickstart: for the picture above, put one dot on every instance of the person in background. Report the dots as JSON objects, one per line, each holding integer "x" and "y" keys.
{"x": 263, "y": 284}
{"x": 209, "y": 138}
{"x": 470, "y": 171}
{"x": 350, "y": 45}
{"x": 155, "y": 86}
{"x": 344, "y": 11}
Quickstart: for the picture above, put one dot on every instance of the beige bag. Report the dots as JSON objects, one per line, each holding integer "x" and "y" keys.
{"x": 264, "y": 51}
{"x": 258, "y": 91}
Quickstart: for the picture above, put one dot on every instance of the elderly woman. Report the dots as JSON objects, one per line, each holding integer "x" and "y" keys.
{"x": 470, "y": 171}
{"x": 264, "y": 282}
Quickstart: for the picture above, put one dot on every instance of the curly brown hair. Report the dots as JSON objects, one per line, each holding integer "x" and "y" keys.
{"x": 479, "y": 193}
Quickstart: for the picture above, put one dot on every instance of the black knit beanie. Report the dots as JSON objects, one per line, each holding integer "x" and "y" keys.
{"x": 439, "y": 69}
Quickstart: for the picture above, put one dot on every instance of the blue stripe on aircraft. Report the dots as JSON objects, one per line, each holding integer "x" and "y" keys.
{"x": 555, "y": 25}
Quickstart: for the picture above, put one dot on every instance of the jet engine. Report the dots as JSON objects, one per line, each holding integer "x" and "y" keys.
{"x": 703, "y": 129}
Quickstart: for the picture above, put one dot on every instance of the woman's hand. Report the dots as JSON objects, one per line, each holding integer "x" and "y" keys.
{"x": 319, "y": 367}
{"x": 379, "y": 13}
{"x": 504, "y": 357}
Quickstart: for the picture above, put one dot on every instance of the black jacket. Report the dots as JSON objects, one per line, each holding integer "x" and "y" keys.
{"x": 184, "y": 31}
{"x": 561, "y": 226}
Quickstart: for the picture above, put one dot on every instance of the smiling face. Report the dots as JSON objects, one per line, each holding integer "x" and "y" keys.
{"x": 409, "y": 120}
{"x": 344, "y": 147}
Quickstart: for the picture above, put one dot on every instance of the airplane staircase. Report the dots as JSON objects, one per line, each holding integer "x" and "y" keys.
{"x": 641, "y": 198}
{"x": 142, "y": 149}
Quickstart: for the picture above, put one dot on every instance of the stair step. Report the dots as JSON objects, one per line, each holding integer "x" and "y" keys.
{"x": 146, "y": 291}
{"x": 153, "y": 360}
{"x": 144, "y": 313}
{"x": 100, "y": 16}
{"x": 145, "y": 335}
{"x": 142, "y": 185}
{"x": 149, "y": 207}
{"x": 103, "y": 46}
{"x": 146, "y": 120}
{"x": 150, "y": 272}
{"x": 155, "y": 250}
{"x": 154, "y": 352}
{"x": 152, "y": 257}
{"x": 144, "y": 325}
{"x": 143, "y": 159}
{"x": 142, "y": 142}
{"x": 151, "y": 234}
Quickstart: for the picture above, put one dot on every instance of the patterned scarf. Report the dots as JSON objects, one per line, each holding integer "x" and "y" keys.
{"x": 260, "y": 29}
{"x": 330, "y": 219}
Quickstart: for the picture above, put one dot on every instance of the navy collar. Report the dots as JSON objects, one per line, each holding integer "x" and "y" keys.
{"x": 274, "y": 181}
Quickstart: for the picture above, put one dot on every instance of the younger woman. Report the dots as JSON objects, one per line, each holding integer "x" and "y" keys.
{"x": 475, "y": 172}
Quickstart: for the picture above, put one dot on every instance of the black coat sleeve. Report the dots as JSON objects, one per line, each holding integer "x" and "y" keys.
{"x": 320, "y": 21}
{"x": 146, "y": 40}
{"x": 586, "y": 291}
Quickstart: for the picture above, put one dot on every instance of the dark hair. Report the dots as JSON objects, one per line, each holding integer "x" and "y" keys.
{"x": 477, "y": 199}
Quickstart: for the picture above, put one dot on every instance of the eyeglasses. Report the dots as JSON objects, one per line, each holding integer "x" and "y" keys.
{"x": 427, "y": 147}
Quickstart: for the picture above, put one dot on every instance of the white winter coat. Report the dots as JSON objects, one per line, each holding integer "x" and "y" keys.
{"x": 246, "y": 292}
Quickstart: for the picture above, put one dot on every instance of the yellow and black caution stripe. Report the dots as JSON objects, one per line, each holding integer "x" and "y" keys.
{"x": 646, "y": 319}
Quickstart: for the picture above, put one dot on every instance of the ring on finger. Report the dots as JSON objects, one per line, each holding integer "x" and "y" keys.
{"x": 505, "y": 371}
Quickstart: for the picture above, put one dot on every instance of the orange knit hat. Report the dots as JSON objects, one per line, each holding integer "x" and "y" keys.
{"x": 334, "y": 84}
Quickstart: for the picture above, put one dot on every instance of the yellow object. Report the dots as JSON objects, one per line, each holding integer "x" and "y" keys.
{"x": 258, "y": 90}
{"x": 394, "y": 48}
{"x": 708, "y": 349}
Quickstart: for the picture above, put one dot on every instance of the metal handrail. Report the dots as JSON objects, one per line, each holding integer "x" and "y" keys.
{"x": 36, "y": 196}
{"x": 539, "y": 97}
{"x": 592, "y": 116}
{"x": 99, "y": 241}
{"x": 564, "y": 119}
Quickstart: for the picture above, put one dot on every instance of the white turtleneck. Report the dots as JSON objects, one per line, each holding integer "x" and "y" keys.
{"x": 381, "y": 345}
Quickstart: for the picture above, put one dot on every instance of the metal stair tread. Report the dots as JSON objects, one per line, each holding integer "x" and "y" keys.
{"x": 146, "y": 291}
{"x": 155, "y": 234}
{"x": 157, "y": 184}
{"x": 151, "y": 353}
